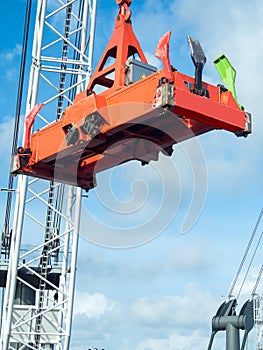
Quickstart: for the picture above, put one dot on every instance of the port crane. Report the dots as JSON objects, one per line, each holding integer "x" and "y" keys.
{"x": 227, "y": 318}
{"x": 75, "y": 133}
{"x": 39, "y": 247}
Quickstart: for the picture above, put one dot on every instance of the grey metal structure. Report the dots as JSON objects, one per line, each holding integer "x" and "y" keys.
{"x": 227, "y": 320}
{"x": 39, "y": 251}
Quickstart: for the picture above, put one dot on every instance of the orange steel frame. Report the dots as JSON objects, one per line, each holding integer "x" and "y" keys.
{"x": 125, "y": 116}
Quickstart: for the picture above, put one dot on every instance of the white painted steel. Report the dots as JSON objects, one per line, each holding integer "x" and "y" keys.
{"x": 18, "y": 321}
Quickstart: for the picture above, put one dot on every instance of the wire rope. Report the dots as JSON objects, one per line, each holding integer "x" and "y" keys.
{"x": 230, "y": 294}
{"x": 18, "y": 109}
{"x": 257, "y": 281}
{"x": 250, "y": 264}
{"x": 16, "y": 129}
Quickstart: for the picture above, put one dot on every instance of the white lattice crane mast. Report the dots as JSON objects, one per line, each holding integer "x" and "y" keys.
{"x": 258, "y": 317}
{"x": 39, "y": 251}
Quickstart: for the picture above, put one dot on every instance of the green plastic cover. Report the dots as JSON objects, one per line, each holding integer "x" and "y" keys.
{"x": 227, "y": 73}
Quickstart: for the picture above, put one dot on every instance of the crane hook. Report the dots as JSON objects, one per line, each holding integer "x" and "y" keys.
{"x": 124, "y": 8}
{"x": 122, "y": 2}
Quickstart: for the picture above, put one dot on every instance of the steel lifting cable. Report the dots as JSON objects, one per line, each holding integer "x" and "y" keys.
{"x": 258, "y": 280}
{"x": 16, "y": 125}
{"x": 18, "y": 107}
{"x": 250, "y": 264}
{"x": 230, "y": 294}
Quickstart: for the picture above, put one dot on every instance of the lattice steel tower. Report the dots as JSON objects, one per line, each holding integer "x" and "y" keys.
{"x": 39, "y": 248}
{"x": 258, "y": 317}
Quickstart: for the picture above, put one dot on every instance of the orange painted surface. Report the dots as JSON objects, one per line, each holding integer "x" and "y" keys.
{"x": 128, "y": 124}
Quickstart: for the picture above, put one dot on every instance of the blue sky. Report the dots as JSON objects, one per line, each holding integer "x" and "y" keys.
{"x": 163, "y": 294}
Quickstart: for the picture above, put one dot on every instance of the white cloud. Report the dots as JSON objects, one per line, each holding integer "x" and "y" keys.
{"x": 189, "y": 310}
{"x": 194, "y": 258}
{"x": 176, "y": 341}
{"x": 6, "y": 136}
{"x": 10, "y": 55}
{"x": 179, "y": 321}
{"x": 8, "y": 64}
{"x": 173, "y": 321}
{"x": 6, "y": 139}
{"x": 92, "y": 305}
